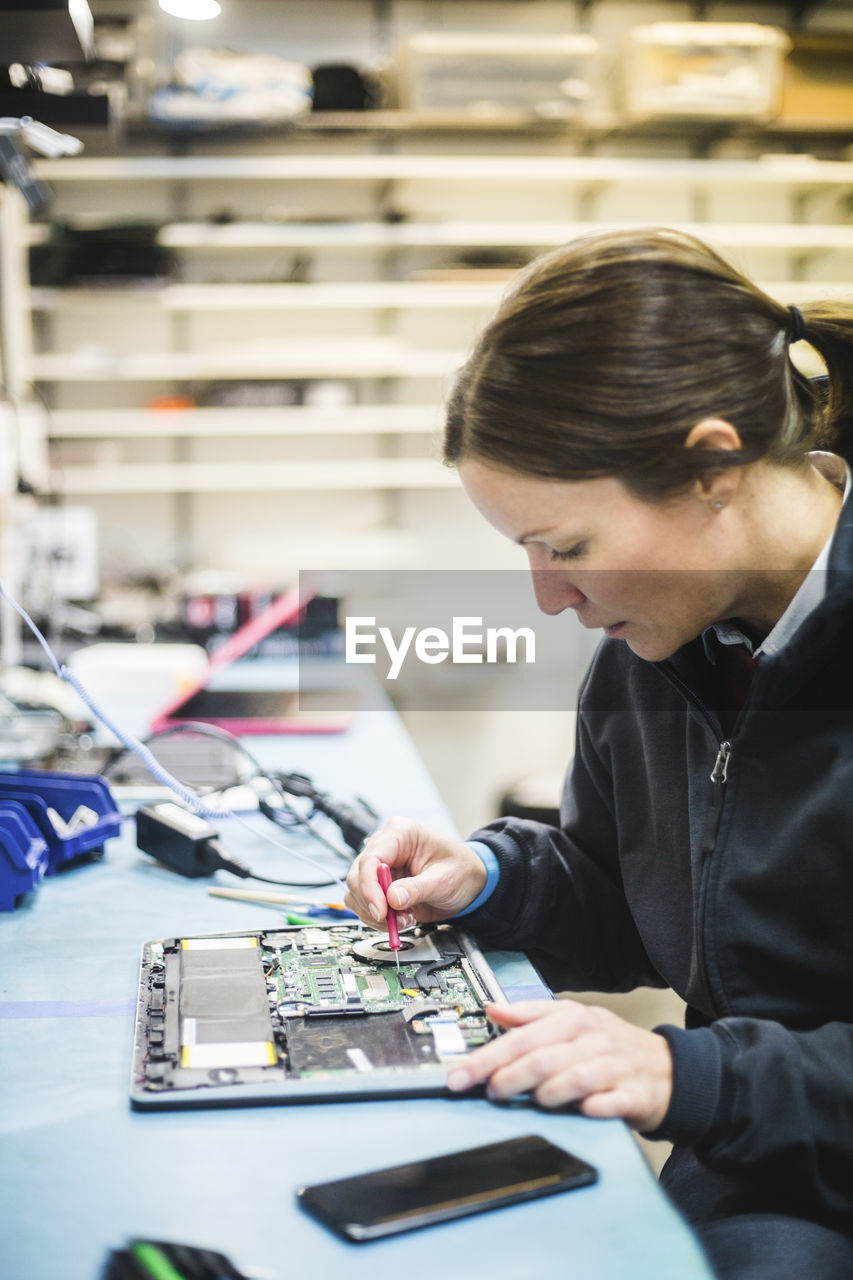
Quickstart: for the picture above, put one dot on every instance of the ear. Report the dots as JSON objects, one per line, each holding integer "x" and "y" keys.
{"x": 716, "y": 486}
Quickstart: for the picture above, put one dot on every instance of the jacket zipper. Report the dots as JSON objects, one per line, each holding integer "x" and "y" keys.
{"x": 719, "y": 776}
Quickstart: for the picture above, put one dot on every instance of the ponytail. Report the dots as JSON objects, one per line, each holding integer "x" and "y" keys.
{"x": 828, "y": 327}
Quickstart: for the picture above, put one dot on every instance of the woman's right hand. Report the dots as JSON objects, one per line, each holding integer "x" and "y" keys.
{"x": 434, "y": 876}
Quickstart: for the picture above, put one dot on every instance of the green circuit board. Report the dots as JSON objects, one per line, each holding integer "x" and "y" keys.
{"x": 318, "y": 970}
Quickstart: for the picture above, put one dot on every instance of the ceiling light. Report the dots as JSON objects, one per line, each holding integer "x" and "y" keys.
{"x": 195, "y": 10}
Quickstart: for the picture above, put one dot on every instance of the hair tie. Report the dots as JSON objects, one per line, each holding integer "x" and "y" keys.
{"x": 798, "y": 324}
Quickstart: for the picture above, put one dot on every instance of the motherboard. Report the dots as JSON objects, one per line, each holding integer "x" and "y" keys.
{"x": 304, "y": 1013}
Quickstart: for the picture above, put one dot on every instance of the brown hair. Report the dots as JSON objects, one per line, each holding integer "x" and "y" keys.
{"x": 605, "y": 353}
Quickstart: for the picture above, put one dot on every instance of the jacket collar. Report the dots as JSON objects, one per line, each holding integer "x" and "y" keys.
{"x": 840, "y": 569}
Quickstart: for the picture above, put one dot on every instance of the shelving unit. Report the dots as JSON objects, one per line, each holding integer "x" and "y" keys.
{"x": 288, "y": 420}
{"x": 382, "y": 358}
{"x": 376, "y": 269}
{"x": 338, "y": 166}
{"x": 194, "y": 477}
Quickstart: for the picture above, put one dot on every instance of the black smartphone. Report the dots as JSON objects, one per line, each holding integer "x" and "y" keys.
{"x": 385, "y": 1202}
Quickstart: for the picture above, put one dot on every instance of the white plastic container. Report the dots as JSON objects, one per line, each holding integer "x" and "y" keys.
{"x": 715, "y": 70}
{"x": 548, "y": 76}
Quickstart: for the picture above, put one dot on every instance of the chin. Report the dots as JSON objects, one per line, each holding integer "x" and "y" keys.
{"x": 652, "y": 648}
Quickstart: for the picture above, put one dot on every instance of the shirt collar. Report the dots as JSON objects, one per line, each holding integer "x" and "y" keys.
{"x": 811, "y": 591}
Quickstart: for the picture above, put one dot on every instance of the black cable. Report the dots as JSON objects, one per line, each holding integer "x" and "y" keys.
{"x": 273, "y": 813}
{"x": 283, "y": 815}
{"x": 203, "y": 729}
{"x": 292, "y": 884}
{"x": 355, "y": 823}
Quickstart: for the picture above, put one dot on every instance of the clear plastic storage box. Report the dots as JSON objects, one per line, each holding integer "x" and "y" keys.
{"x": 547, "y": 76}
{"x": 730, "y": 70}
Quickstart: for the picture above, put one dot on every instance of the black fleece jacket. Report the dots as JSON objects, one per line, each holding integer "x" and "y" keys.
{"x": 737, "y": 893}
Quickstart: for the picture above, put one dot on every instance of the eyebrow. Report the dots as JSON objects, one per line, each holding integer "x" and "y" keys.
{"x": 535, "y": 534}
{"x": 527, "y": 537}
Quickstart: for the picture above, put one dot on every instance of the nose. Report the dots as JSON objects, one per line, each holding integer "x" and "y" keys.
{"x": 553, "y": 588}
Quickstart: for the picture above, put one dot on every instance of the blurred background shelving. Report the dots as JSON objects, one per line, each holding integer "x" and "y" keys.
{"x": 260, "y": 389}
{"x": 347, "y": 283}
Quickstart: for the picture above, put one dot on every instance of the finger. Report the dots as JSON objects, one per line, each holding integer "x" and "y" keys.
{"x": 611, "y": 1104}
{"x": 364, "y": 878}
{"x": 394, "y": 843}
{"x": 622, "y": 1104}
{"x": 534, "y": 1071}
{"x": 435, "y": 886}
{"x": 364, "y": 895}
{"x": 524, "y": 1011}
{"x": 611, "y": 1079}
{"x": 578, "y": 1079}
{"x": 640, "y": 1093}
{"x": 559, "y": 1072}
{"x": 484, "y": 1062}
{"x": 352, "y": 898}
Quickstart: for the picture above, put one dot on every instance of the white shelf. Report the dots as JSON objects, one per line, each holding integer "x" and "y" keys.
{"x": 497, "y": 233}
{"x": 396, "y": 295}
{"x": 249, "y": 477}
{"x": 790, "y": 170}
{"x": 247, "y": 420}
{"x": 380, "y": 358}
{"x": 401, "y": 295}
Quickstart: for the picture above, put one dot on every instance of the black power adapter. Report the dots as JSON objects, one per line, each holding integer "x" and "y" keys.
{"x": 189, "y": 845}
{"x": 183, "y": 841}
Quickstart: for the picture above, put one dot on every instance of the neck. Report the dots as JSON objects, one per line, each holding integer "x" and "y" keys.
{"x": 791, "y": 516}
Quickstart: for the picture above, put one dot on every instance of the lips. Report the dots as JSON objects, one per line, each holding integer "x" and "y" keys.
{"x": 595, "y": 624}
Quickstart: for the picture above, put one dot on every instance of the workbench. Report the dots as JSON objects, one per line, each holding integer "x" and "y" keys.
{"x": 81, "y": 1173}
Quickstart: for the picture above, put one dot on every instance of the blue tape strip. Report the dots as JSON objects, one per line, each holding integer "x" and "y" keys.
{"x": 67, "y": 1008}
{"x": 536, "y": 991}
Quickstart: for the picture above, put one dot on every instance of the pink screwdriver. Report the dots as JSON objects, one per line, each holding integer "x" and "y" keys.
{"x": 383, "y": 875}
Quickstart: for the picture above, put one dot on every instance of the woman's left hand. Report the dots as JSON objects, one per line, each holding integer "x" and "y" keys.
{"x": 562, "y": 1051}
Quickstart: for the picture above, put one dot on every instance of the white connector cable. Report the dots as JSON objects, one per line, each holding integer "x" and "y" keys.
{"x": 40, "y": 137}
{"x": 14, "y": 166}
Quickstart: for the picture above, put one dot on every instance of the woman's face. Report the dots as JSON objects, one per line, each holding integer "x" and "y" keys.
{"x": 651, "y": 574}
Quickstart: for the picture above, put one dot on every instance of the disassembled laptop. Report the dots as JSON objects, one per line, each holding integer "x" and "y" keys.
{"x": 304, "y": 1013}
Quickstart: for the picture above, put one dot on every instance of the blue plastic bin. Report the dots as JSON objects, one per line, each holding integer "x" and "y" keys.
{"x": 38, "y": 790}
{"x": 23, "y": 854}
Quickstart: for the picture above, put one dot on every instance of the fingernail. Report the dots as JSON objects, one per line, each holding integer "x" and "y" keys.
{"x": 406, "y": 921}
{"x": 373, "y": 911}
{"x": 402, "y": 898}
{"x": 458, "y": 1080}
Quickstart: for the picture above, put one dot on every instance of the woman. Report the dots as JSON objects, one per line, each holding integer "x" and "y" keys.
{"x": 632, "y": 418}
